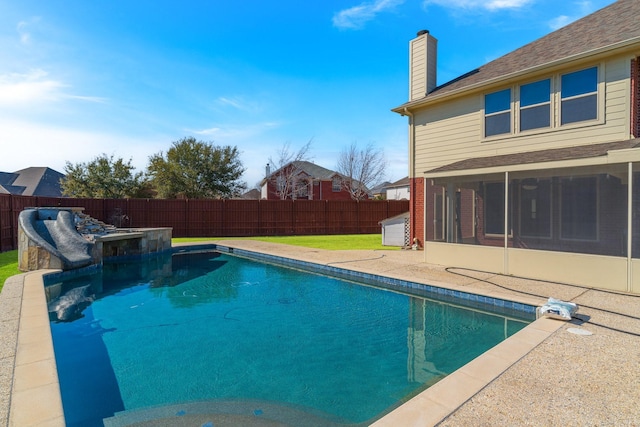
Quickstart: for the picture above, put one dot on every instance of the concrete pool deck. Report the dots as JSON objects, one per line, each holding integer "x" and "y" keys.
{"x": 543, "y": 375}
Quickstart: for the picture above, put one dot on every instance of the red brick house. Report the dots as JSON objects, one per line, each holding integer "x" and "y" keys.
{"x": 302, "y": 180}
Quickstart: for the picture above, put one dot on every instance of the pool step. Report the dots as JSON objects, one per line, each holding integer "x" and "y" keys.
{"x": 230, "y": 413}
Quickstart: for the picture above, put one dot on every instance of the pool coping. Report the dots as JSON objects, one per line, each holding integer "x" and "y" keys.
{"x": 35, "y": 393}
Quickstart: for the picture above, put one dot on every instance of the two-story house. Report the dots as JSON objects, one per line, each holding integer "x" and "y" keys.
{"x": 529, "y": 165}
{"x": 303, "y": 180}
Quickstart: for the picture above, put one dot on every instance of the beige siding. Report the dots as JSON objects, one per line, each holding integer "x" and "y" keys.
{"x": 432, "y": 56}
{"x": 418, "y": 80}
{"x": 581, "y": 269}
{"x": 590, "y": 270}
{"x": 482, "y": 258}
{"x": 448, "y": 133}
{"x": 452, "y": 131}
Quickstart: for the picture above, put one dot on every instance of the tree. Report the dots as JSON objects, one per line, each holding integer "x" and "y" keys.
{"x": 361, "y": 169}
{"x": 196, "y": 169}
{"x": 103, "y": 178}
{"x": 286, "y": 175}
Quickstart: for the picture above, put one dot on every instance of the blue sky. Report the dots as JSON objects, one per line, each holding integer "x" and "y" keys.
{"x": 79, "y": 78}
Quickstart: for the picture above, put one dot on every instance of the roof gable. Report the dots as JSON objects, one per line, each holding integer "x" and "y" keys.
{"x": 402, "y": 182}
{"x": 33, "y": 181}
{"x": 607, "y": 27}
{"x": 311, "y": 169}
{"x": 7, "y": 178}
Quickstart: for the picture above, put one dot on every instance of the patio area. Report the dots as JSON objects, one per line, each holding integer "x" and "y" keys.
{"x": 549, "y": 377}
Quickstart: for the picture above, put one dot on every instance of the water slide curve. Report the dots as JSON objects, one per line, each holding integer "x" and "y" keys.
{"x": 54, "y": 230}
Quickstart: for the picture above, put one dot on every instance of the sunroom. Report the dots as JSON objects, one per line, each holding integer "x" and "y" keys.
{"x": 566, "y": 215}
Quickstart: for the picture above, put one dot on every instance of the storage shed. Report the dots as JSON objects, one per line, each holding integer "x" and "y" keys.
{"x": 395, "y": 230}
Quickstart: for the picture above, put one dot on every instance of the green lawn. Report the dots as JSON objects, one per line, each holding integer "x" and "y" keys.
{"x": 332, "y": 242}
{"x": 8, "y": 266}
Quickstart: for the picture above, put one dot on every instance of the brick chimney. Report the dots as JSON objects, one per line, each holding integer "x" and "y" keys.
{"x": 422, "y": 65}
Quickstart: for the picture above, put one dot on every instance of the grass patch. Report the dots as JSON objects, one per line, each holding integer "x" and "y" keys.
{"x": 8, "y": 266}
{"x": 330, "y": 242}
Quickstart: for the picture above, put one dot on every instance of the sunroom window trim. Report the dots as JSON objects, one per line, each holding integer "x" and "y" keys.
{"x": 597, "y": 208}
{"x": 551, "y": 219}
{"x": 509, "y": 209}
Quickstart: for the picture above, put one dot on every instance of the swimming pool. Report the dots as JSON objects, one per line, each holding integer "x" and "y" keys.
{"x": 213, "y": 328}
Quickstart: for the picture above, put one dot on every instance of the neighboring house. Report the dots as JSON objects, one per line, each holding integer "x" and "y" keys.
{"x": 34, "y": 181}
{"x": 529, "y": 165}
{"x": 253, "y": 194}
{"x": 302, "y": 180}
{"x": 398, "y": 190}
{"x": 380, "y": 191}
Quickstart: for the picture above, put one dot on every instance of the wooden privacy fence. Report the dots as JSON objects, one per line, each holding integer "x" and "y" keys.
{"x": 216, "y": 218}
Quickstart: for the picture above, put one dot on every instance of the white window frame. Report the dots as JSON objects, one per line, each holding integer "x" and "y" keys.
{"x": 583, "y": 95}
{"x": 555, "y": 108}
{"x": 336, "y": 188}
{"x": 496, "y": 113}
{"x": 520, "y": 108}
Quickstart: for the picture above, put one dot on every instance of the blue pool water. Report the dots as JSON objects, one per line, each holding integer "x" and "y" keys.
{"x": 212, "y": 327}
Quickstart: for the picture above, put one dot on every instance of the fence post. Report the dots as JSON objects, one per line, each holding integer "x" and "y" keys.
{"x": 14, "y": 227}
{"x": 327, "y": 230}
{"x": 223, "y": 220}
{"x": 187, "y": 230}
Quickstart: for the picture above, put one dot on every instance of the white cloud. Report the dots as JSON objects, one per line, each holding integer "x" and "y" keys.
{"x": 583, "y": 7}
{"x": 29, "y": 143}
{"x": 239, "y": 103}
{"x": 24, "y": 29}
{"x": 490, "y": 5}
{"x": 356, "y": 17}
{"x": 208, "y": 132}
{"x": 26, "y": 88}
{"x": 34, "y": 88}
{"x": 560, "y": 21}
{"x": 234, "y": 132}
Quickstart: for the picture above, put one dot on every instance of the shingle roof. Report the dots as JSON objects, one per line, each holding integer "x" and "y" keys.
{"x": 34, "y": 181}
{"x": 314, "y": 170}
{"x": 557, "y": 154}
{"x": 402, "y": 182}
{"x": 6, "y": 178}
{"x": 613, "y": 24}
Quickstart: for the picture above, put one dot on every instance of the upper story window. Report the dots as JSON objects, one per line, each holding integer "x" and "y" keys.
{"x": 535, "y": 105}
{"x": 497, "y": 113}
{"x": 336, "y": 184}
{"x": 579, "y": 96}
{"x": 571, "y": 97}
{"x": 302, "y": 189}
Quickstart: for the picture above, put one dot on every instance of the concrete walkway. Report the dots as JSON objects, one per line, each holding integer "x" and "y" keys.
{"x": 563, "y": 379}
